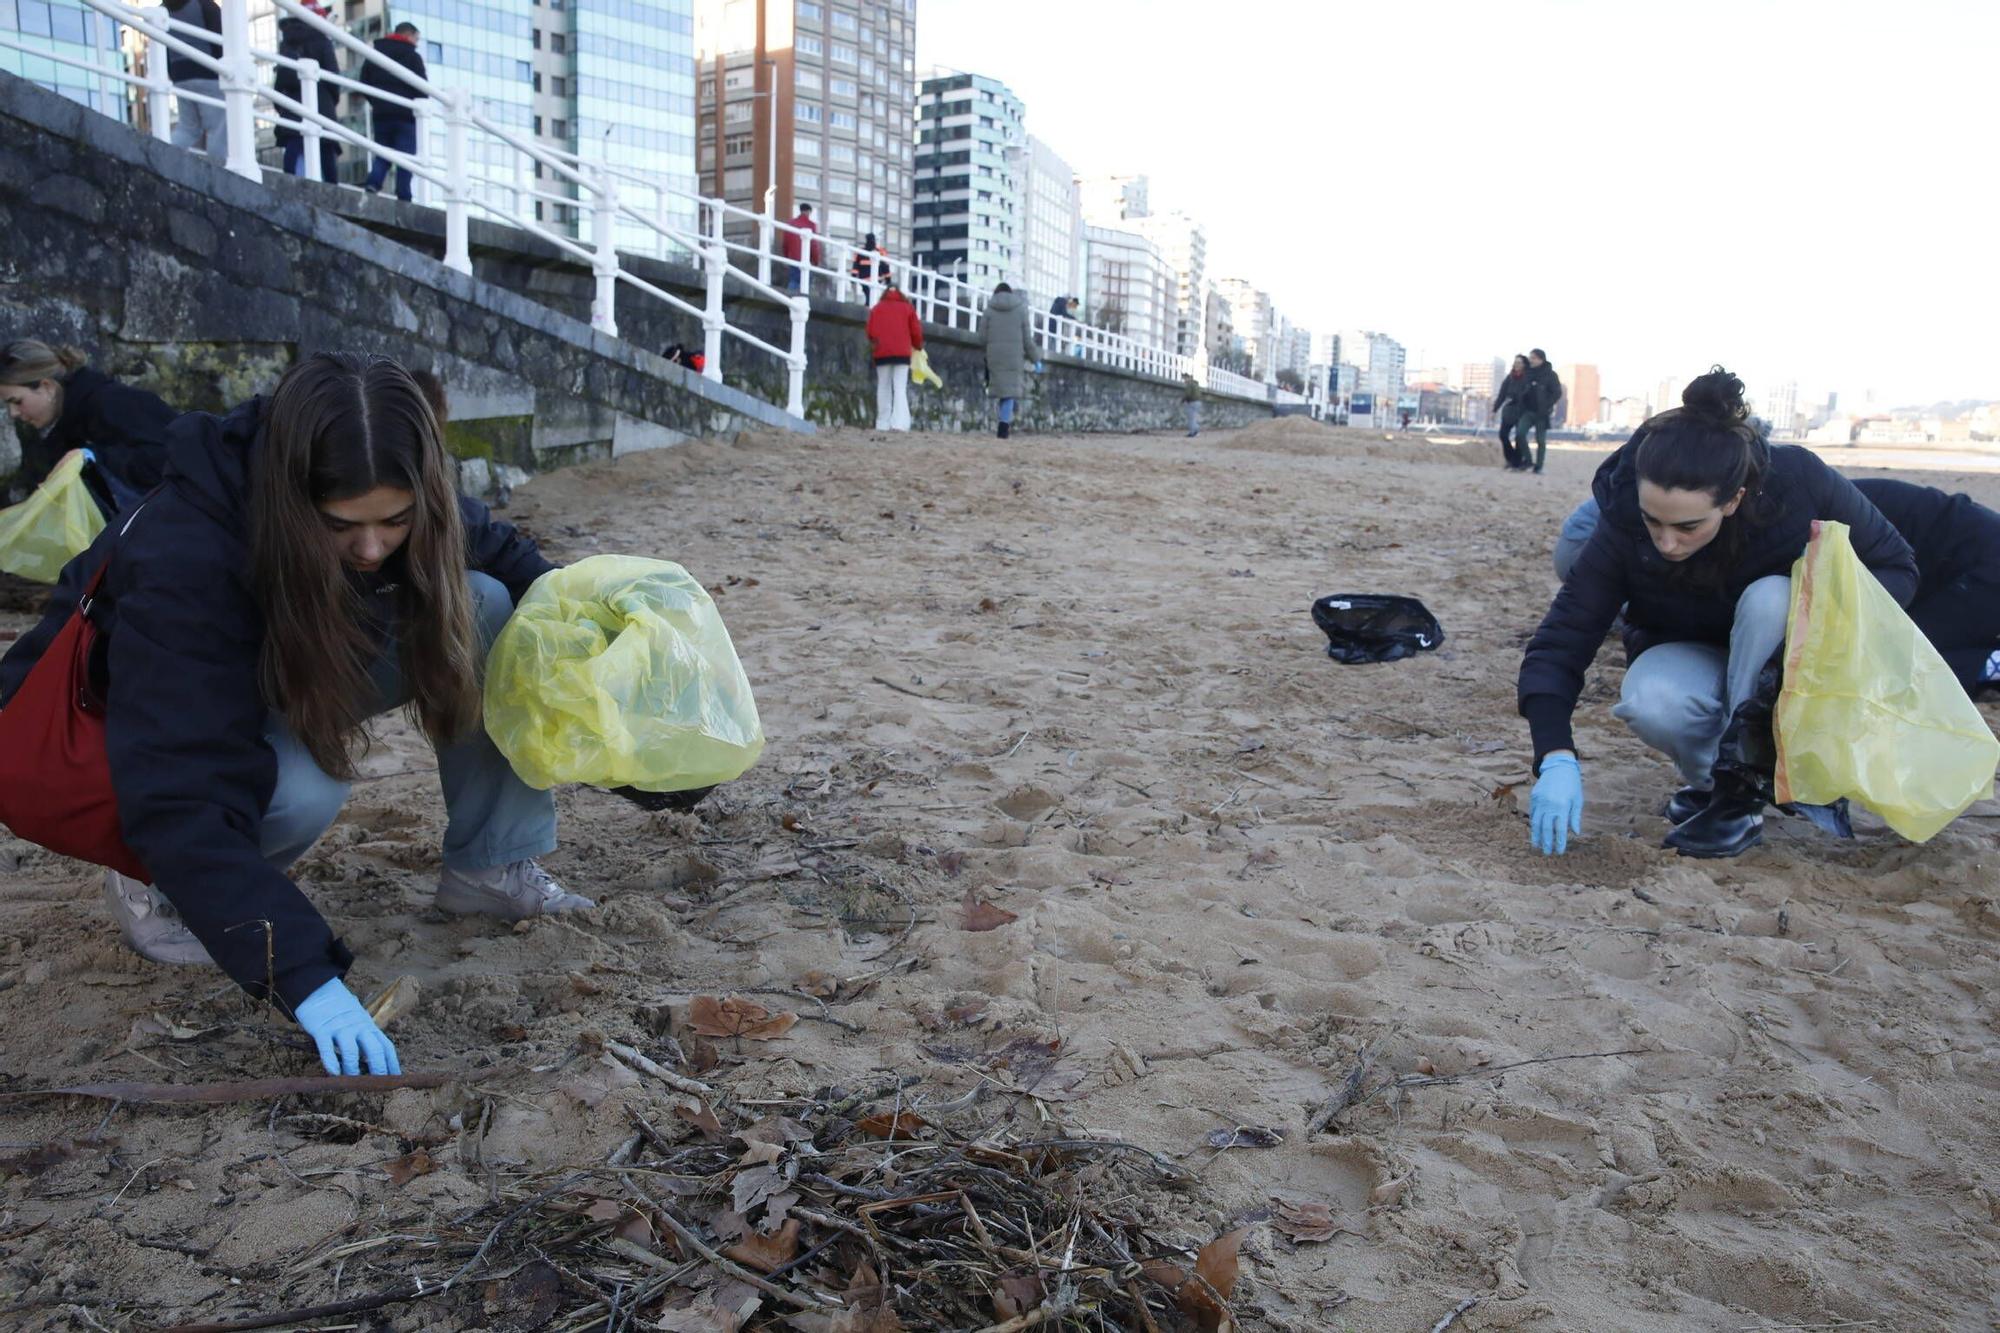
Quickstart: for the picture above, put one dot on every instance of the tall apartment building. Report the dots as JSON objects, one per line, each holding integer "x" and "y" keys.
{"x": 1183, "y": 244}
{"x": 970, "y": 199}
{"x": 1379, "y": 359}
{"x": 1583, "y": 396}
{"x": 1218, "y": 326}
{"x": 1326, "y": 349}
{"x": 66, "y": 28}
{"x": 1129, "y": 288}
{"x": 840, "y": 77}
{"x": 1480, "y": 380}
{"x": 1052, "y": 228}
{"x": 1255, "y": 320}
{"x": 1779, "y": 405}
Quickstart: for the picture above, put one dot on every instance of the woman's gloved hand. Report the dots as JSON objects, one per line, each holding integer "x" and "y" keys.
{"x": 344, "y": 1032}
{"x": 1556, "y": 809}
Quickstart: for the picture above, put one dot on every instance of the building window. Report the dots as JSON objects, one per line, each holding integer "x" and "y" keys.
{"x": 560, "y": 86}
{"x": 558, "y": 43}
{"x": 804, "y": 145}
{"x": 809, "y": 11}
{"x": 842, "y": 154}
{"x": 737, "y": 112}
{"x": 806, "y": 78}
{"x": 840, "y": 87}
{"x": 844, "y": 54}
{"x": 707, "y": 158}
{"x": 535, "y": 38}
{"x": 736, "y": 80}
{"x": 806, "y": 113}
{"x": 841, "y": 120}
{"x": 842, "y": 187}
{"x": 736, "y": 145}
{"x": 806, "y": 180}
{"x": 559, "y": 128}
{"x": 840, "y": 219}
{"x": 737, "y": 181}
{"x": 538, "y": 83}
{"x": 708, "y": 90}
{"x": 538, "y": 127}
{"x": 809, "y": 45}
{"x": 845, "y": 21}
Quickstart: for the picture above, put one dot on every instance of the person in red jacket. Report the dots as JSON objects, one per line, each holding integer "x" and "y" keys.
{"x": 793, "y": 244}
{"x": 895, "y": 333}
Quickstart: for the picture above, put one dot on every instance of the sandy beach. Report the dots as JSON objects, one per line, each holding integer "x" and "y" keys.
{"x": 1075, "y": 679}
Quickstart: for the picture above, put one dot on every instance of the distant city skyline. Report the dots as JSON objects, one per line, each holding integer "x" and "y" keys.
{"x": 1676, "y": 255}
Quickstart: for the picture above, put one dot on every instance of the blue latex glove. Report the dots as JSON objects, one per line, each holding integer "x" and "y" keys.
{"x": 1556, "y": 809}
{"x": 345, "y": 1033}
{"x": 1038, "y": 367}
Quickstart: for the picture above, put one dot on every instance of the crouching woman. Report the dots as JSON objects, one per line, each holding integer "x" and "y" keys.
{"x": 306, "y": 565}
{"x": 1701, "y": 523}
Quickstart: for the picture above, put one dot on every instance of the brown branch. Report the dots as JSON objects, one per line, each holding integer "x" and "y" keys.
{"x": 406, "y": 1291}
{"x": 251, "y": 1090}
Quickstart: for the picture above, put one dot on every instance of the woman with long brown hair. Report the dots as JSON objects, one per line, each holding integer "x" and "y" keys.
{"x": 307, "y": 565}
{"x": 68, "y": 405}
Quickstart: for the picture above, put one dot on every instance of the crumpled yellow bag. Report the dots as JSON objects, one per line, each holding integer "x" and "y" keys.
{"x": 51, "y": 527}
{"x": 617, "y": 671}
{"x": 920, "y": 369}
{"x": 1869, "y": 710}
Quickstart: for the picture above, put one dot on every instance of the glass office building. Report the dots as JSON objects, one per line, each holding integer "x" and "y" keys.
{"x": 631, "y": 87}
{"x": 65, "y": 28}
{"x": 483, "y": 47}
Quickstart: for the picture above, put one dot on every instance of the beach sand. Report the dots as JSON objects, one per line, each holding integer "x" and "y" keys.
{"x": 1075, "y": 677}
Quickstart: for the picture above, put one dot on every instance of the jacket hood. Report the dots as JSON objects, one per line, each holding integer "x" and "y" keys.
{"x": 79, "y": 388}
{"x": 892, "y": 294}
{"x": 208, "y": 461}
{"x": 1005, "y": 301}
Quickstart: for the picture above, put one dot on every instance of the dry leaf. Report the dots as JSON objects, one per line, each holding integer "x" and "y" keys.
{"x": 1390, "y": 1191}
{"x": 1304, "y": 1222}
{"x": 1017, "y": 1294}
{"x": 1506, "y": 789}
{"x": 901, "y": 1125}
{"x": 767, "y": 1254}
{"x": 1216, "y": 1267}
{"x": 752, "y": 1187}
{"x": 701, "y": 1055}
{"x": 951, "y": 863}
{"x": 701, "y": 1317}
{"x": 701, "y": 1118}
{"x": 394, "y": 1000}
{"x": 737, "y": 1017}
{"x": 983, "y": 915}
{"x": 761, "y": 1154}
{"x": 1424, "y": 1065}
{"x": 988, "y": 605}
{"x": 818, "y": 985}
{"x": 409, "y": 1166}
{"x": 1246, "y": 1136}
{"x": 967, "y": 1013}
{"x": 776, "y": 1129}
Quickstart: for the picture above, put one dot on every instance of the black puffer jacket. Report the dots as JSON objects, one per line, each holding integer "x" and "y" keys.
{"x": 207, "y": 14}
{"x": 1513, "y": 395}
{"x": 185, "y": 717}
{"x": 1545, "y": 390}
{"x": 1695, "y": 600}
{"x": 125, "y": 427}
{"x": 1957, "y": 543}
{"x": 299, "y": 40}
{"x": 373, "y": 75}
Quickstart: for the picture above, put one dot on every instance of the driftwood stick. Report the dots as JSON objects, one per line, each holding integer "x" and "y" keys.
{"x": 1441, "y": 1325}
{"x": 1348, "y": 1092}
{"x": 1427, "y": 1080}
{"x": 251, "y": 1090}
{"x": 406, "y": 1291}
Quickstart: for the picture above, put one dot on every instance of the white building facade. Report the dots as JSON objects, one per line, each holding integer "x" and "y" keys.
{"x": 1129, "y": 288}
{"x": 972, "y": 169}
{"x": 1052, "y": 228}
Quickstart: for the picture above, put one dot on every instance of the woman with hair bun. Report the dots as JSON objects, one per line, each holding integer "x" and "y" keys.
{"x": 307, "y": 565}
{"x": 70, "y": 406}
{"x": 1701, "y": 522}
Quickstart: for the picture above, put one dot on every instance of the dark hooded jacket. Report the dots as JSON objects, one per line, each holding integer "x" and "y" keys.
{"x": 1545, "y": 390}
{"x": 185, "y": 717}
{"x": 1957, "y": 544}
{"x": 203, "y": 13}
{"x": 1512, "y": 399}
{"x": 299, "y": 40}
{"x": 1694, "y": 600}
{"x": 125, "y": 427}
{"x": 404, "y": 52}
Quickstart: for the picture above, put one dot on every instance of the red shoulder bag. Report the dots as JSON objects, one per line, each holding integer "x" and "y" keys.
{"x": 55, "y": 776}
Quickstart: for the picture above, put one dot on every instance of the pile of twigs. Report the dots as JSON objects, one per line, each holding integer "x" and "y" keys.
{"x": 844, "y": 1212}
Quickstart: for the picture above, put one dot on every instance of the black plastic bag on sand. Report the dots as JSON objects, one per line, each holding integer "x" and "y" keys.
{"x": 1374, "y": 627}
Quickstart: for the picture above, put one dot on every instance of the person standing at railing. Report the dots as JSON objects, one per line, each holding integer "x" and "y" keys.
{"x": 1010, "y": 350}
{"x": 895, "y": 333}
{"x": 871, "y": 263}
{"x": 198, "y": 124}
{"x": 393, "y": 124}
{"x": 300, "y": 40}
{"x": 798, "y": 279}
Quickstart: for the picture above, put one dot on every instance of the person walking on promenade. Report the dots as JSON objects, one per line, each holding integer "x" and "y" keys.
{"x": 1545, "y": 390}
{"x": 300, "y": 40}
{"x": 1191, "y": 403}
{"x": 894, "y": 333}
{"x": 1511, "y": 402}
{"x": 871, "y": 263}
{"x": 70, "y": 406}
{"x": 793, "y": 244}
{"x": 394, "y": 125}
{"x": 1701, "y": 522}
{"x": 1010, "y": 350}
{"x": 200, "y": 125}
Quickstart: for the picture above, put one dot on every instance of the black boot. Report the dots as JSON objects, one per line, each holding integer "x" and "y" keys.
{"x": 656, "y": 801}
{"x": 1005, "y": 428}
{"x": 1687, "y": 803}
{"x": 1745, "y": 762}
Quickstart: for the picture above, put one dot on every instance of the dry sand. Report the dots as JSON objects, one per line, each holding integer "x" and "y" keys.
{"x": 1076, "y": 676}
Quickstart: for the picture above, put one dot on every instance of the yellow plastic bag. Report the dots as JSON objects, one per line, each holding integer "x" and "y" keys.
{"x": 617, "y": 671}
{"x": 51, "y": 527}
{"x": 1869, "y": 710}
{"x": 920, "y": 369}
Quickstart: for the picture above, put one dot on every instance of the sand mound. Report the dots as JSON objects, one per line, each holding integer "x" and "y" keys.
{"x": 1303, "y": 437}
{"x": 1066, "y": 690}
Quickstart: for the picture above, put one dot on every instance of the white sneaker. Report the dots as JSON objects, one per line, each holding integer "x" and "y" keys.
{"x": 150, "y": 925}
{"x": 512, "y": 892}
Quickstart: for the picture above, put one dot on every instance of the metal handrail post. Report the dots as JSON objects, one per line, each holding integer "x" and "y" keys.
{"x": 796, "y": 390}
{"x": 715, "y": 265}
{"x": 457, "y": 242}
{"x": 604, "y": 263}
{"x": 159, "y": 89}
{"x": 239, "y": 90}
{"x": 309, "y": 134}
{"x": 422, "y": 110}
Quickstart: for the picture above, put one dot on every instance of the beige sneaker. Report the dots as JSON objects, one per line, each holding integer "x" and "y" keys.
{"x": 511, "y": 892}
{"x": 149, "y": 924}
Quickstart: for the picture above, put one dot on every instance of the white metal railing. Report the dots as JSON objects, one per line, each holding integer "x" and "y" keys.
{"x": 616, "y": 208}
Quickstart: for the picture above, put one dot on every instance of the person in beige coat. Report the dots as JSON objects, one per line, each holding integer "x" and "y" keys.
{"x": 1010, "y": 351}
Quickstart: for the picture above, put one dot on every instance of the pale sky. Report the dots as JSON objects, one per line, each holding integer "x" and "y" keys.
{"x": 1800, "y": 189}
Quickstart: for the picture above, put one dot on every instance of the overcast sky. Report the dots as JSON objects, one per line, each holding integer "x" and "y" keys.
{"x": 1801, "y": 189}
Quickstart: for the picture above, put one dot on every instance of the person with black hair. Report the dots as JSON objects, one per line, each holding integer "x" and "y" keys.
{"x": 1510, "y": 402}
{"x": 1538, "y": 405}
{"x": 301, "y": 40}
{"x": 1957, "y": 544}
{"x": 393, "y": 124}
{"x": 1701, "y": 521}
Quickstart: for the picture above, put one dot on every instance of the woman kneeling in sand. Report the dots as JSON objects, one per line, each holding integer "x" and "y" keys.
{"x": 1701, "y": 522}
{"x": 306, "y": 565}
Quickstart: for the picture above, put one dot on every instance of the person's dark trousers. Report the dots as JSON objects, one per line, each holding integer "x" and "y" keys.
{"x": 1962, "y": 621}
{"x": 1540, "y": 422}
{"x": 1510, "y": 428}
{"x": 399, "y": 136}
{"x": 329, "y": 160}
